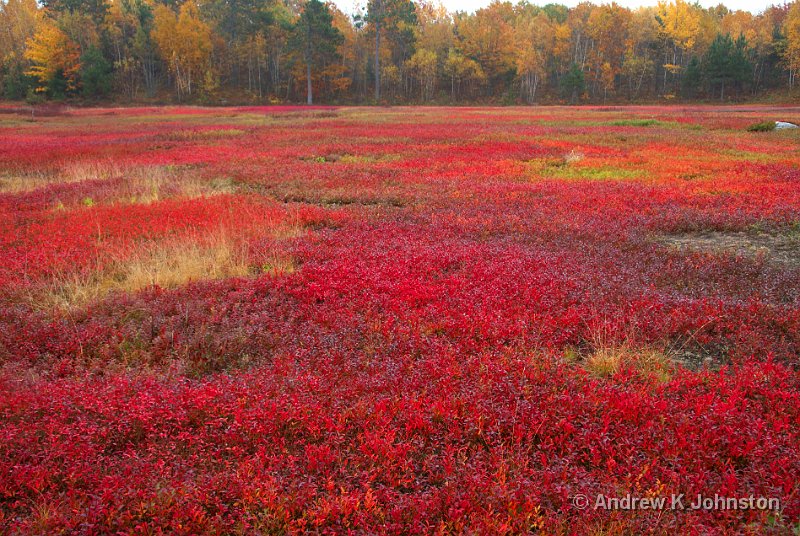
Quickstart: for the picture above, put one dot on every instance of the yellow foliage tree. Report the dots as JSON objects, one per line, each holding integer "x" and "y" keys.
{"x": 185, "y": 43}
{"x": 53, "y": 54}
{"x": 462, "y": 70}
{"x": 791, "y": 27}
{"x": 434, "y": 30}
{"x": 18, "y": 22}
{"x": 605, "y": 26}
{"x": 423, "y": 65}
{"x": 535, "y": 38}
{"x": 679, "y": 25}
{"x": 680, "y": 22}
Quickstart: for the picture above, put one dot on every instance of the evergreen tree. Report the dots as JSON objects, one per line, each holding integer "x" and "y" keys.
{"x": 96, "y": 73}
{"x": 692, "y": 78}
{"x": 726, "y": 63}
{"x": 96, "y": 9}
{"x": 573, "y": 83}
{"x": 396, "y": 19}
{"x": 316, "y": 39}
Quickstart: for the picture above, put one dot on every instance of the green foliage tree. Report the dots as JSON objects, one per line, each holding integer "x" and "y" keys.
{"x": 573, "y": 83}
{"x": 255, "y": 49}
{"x": 96, "y": 73}
{"x": 462, "y": 70}
{"x": 96, "y": 9}
{"x": 692, "y": 78}
{"x": 396, "y": 19}
{"x": 726, "y": 63}
{"x": 316, "y": 39}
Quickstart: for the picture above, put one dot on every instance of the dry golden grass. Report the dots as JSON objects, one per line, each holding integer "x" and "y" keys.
{"x": 151, "y": 184}
{"x": 15, "y": 182}
{"x": 573, "y": 156}
{"x": 607, "y": 360}
{"x": 90, "y": 170}
{"x": 139, "y": 184}
{"x": 27, "y": 180}
{"x": 166, "y": 265}
{"x": 199, "y": 135}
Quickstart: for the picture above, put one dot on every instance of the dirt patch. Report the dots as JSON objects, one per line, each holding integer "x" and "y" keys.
{"x": 776, "y": 247}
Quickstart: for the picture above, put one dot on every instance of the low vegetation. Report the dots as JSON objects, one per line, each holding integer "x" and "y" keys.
{"x": 397, "y": 320}
{"x": 164, "y": 265}
{"x": 506, "y": 52}
{"x": 763, "y": 126}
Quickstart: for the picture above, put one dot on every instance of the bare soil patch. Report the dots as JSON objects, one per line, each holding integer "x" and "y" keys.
{"x": 780, "y": 247}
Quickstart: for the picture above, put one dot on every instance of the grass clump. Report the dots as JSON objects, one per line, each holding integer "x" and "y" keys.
{"x": 763, "y": 126}
{"x": 563, "y": 170}
{"x": 635, "y": 123}
{"x": 165, "y": 265}
{"x": 606, "y": 361}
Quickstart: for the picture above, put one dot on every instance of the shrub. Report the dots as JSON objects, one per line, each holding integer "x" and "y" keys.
{"x": 764, "y": 126}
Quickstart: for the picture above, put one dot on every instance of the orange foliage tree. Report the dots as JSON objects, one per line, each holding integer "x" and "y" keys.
{"x": 54, "y": 58}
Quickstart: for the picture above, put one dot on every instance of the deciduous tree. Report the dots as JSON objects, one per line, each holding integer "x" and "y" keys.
{"x": 55, "y": 60}
{"x": 184, "y": 42}
{"x": 535, "y": 40}
{"x": 791, "y": 28}
{"x": 18, "y": 22}
{"x": 488, "y": 38}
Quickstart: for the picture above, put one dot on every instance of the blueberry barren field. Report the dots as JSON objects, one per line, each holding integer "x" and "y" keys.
{"x": 397, "y": 320}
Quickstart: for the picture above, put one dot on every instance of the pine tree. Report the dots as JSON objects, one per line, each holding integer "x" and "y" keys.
{"x": 316, "y": 39}
{"x": 692, "y": 78}
{"x": 96, "y": 72}
{"x": 393, "y": 20}
{"x": 726, "y": 63}
{"x": 573, "y": 83}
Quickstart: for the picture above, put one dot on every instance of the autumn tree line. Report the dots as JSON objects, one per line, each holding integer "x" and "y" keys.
{"x": 391, "y": 51}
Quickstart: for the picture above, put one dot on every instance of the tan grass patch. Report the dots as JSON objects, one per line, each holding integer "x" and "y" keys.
{"x": 200, "y": 135}
{"x": 151, "y": 184}
{"x": 369, "y": 159}
{"x": 606, "y": 361}
{"x": 89, "y": 170}
{"x": 28, "y": 180}
{"x": 139, "y": 184}
{"x": 165, "y": 265}
{"x": 17, "y": 182}
{"x": 573, "y": 156}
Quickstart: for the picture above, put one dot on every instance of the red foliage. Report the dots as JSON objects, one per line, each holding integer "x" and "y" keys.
{"x": 408, "y": 376}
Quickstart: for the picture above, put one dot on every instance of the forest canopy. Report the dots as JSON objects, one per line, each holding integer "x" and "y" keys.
{"x": 392, "y": 51}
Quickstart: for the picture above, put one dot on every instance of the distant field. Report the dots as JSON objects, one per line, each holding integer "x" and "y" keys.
{"x": 398, "y": 320}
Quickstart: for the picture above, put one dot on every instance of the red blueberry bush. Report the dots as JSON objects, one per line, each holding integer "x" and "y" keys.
{"x": 439, "y": 321}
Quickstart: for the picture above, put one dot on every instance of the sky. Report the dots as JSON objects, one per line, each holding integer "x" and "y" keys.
{"x": 754, "y": 6}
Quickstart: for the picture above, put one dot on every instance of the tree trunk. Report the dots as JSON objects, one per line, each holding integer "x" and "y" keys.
{"x": 377, "y": 63}
{"x": 310, "y": 98}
